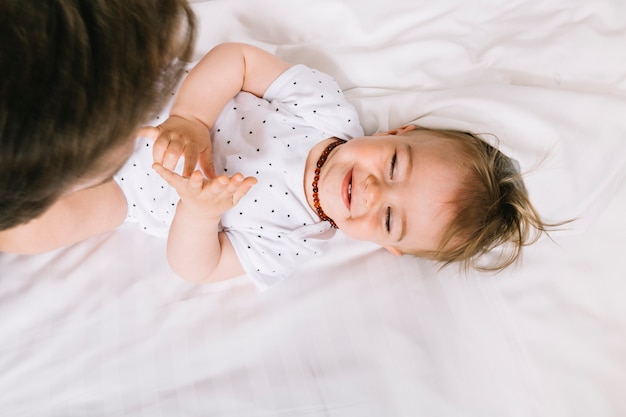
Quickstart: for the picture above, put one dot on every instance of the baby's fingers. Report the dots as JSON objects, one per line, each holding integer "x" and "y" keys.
{"x": 206, "y": 163}
{"x": 172, "y": 178}
{"x": 242, "y": 186}
{"x": 168, "y": 148}
{"x": 230, "y": 189}
{"x": 172, "y": 155}
{"x": 150, "y": 132}
{"x": 161, "y": 142}
{"x": 219, "y": 186}
{"x": 190, "y": 156}
{"x": 196, "y": 181}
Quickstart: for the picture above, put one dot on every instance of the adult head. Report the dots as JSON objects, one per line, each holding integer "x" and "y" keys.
{"x": 77, "y": 77}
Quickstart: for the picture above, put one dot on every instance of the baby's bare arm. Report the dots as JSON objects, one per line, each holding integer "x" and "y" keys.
{"x": 75, "y": 217}
{"x": 196, "y": 250}
{"x": 223, "y": 72}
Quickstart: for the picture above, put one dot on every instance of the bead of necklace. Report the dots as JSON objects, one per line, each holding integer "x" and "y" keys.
{"x": 316, "y": 178}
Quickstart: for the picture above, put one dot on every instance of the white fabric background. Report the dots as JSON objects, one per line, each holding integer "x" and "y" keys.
{"x": 103, "y": 328}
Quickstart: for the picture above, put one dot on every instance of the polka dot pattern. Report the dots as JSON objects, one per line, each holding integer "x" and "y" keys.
{"x": 272, "y": 228}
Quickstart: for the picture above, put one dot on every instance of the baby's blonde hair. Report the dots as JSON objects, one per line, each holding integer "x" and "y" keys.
{"x": 491, "y": 209}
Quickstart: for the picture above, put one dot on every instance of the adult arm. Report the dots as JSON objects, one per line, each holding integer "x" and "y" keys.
{"x": 75, "y": 217}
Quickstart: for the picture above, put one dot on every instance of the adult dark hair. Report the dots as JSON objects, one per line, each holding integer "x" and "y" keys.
{"x": 77, "y": 77}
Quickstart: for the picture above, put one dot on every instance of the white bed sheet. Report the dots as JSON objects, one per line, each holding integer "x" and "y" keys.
{"x": 103, "y": 328}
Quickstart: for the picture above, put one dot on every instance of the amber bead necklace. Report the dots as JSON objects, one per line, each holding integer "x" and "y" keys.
{"x": 316, "y": 178}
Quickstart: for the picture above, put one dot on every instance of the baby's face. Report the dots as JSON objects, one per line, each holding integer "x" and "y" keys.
{"x": 392, "y": 189}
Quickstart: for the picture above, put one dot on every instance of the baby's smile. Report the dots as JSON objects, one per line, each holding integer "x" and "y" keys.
{"x": 347, "y": 189}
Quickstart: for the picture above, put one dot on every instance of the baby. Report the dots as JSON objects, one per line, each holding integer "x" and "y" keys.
{"x": 283, "y": 162}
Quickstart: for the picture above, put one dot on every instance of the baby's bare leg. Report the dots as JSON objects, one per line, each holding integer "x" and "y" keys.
{"x": 75, "y": 217}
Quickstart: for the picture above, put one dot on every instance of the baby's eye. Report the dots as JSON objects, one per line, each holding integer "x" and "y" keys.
{"x": 392, "y": 167}
{"x": 388, "y": 219}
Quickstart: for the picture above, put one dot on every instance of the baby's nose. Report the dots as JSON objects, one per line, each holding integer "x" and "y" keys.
{"x": 372, "y": 192}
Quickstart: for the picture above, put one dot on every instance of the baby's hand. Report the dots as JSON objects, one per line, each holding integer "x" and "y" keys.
{"x": 181, "y": 137}
{"x": 207, "y": 198}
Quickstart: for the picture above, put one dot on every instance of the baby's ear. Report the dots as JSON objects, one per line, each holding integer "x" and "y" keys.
{"x": 397, "y": 131}
{"x": 393, "y": 250}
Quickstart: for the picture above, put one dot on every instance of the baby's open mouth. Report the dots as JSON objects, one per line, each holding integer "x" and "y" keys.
{"x": 350, "y": 191}
{"x": 347, "y": 190}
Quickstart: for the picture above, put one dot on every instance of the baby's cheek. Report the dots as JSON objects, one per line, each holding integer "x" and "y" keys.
{"x": 357, "y": 231}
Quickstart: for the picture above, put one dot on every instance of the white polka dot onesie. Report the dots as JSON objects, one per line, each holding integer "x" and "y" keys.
{"x": 272, "y": 228}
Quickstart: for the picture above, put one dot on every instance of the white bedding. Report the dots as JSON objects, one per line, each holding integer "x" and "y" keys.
{"x": 104, "y": 328}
